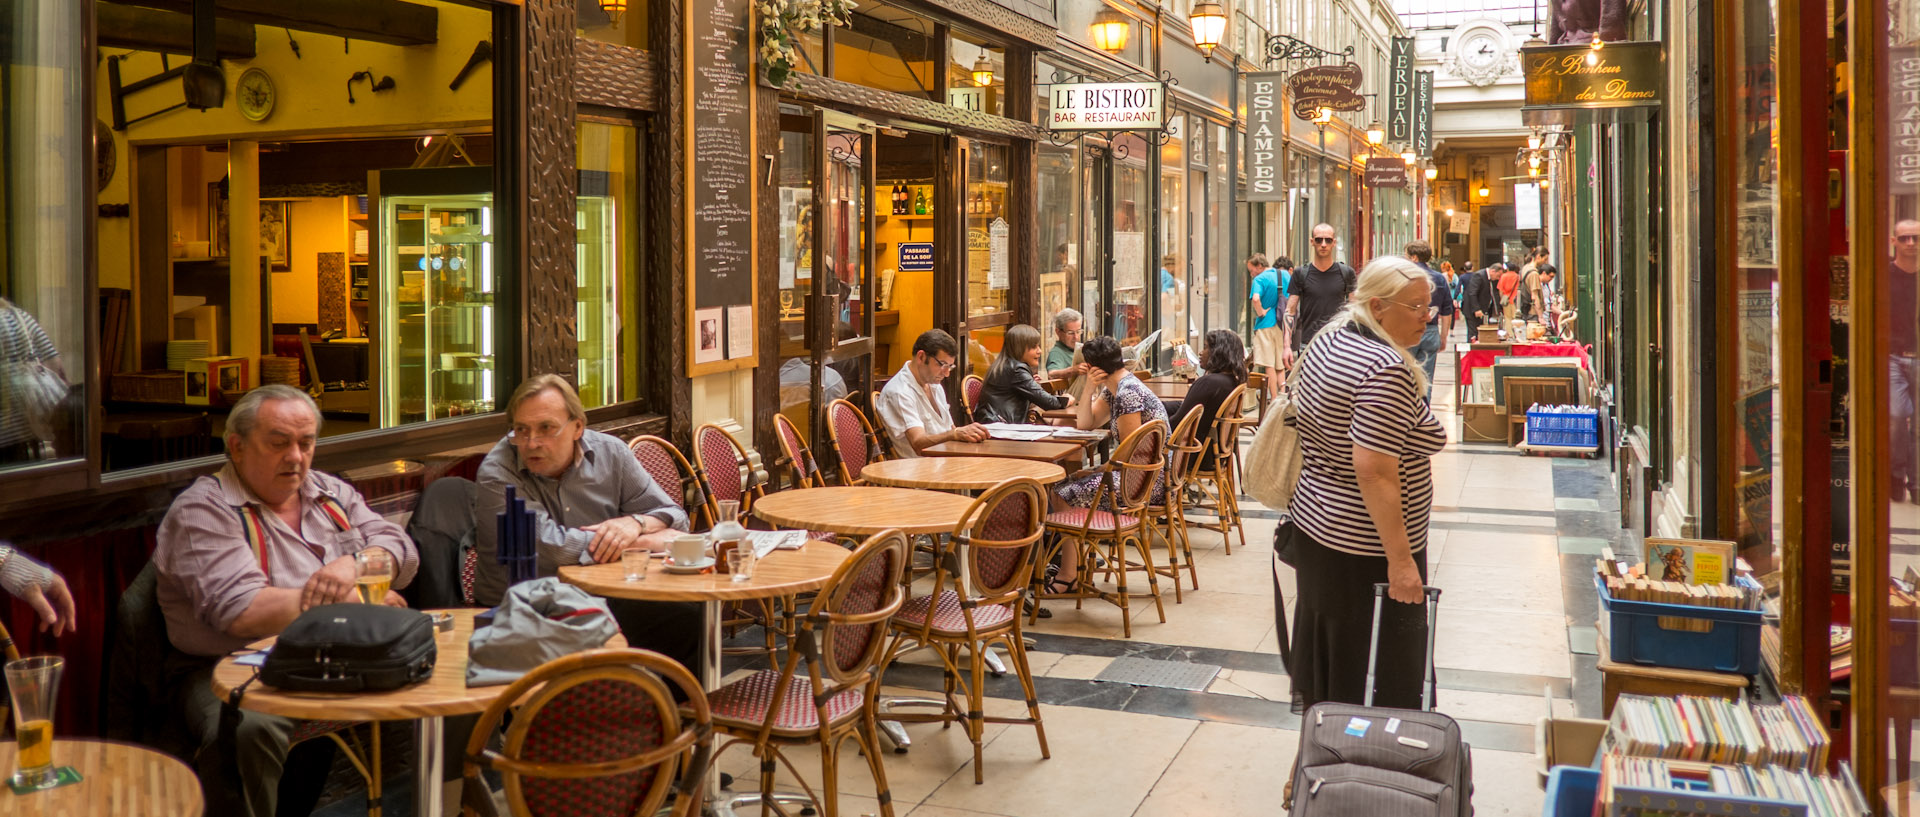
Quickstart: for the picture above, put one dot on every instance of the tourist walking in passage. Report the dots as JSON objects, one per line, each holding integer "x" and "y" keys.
{"x": 1268, "y": 283}
{"x": 1439, "y": 316}
{"x": 1476, "y": 300}
{"x": 1509, "y": 294}
{"x": 1318, "y": 290}
{"x": 1360, "y": 513}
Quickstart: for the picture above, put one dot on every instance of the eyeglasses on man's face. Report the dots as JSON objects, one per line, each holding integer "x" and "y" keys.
{"x": 942, "y": 364}
{"x": 1322, "y": 240}
{"x": 1906, "y": 239}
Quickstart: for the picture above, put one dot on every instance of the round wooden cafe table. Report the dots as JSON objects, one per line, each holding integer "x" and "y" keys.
{"x": 958, "y": 473}
{"x": 120, "y": 779}
{"x": 425, "y": 703}
{"x": 863, "y": 510}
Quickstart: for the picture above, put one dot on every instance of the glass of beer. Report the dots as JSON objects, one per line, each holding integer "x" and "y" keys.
{"x": 376, "y": 574}
{"x": 34, "y": 683}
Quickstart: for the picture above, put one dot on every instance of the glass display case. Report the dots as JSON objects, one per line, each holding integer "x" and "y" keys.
{"x": 437, "y": 285}
{"x": 596, "y": 314}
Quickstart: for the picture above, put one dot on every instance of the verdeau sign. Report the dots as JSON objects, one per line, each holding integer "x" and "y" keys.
{"x": 1108, "y": 106}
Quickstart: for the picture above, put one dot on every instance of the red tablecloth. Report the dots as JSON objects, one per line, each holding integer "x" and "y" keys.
{"x": 1482, "y": 358}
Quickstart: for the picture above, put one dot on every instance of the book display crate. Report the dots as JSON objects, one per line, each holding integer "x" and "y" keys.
{"x": 1680, "y": 635}
{"x": 1563, "y": 427}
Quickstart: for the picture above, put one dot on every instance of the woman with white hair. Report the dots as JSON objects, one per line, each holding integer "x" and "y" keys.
{"x": 1360, "y": 512}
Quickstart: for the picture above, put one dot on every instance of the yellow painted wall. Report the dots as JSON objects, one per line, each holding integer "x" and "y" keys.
{"x": 912, "y": 291}
{"x": 312, "y": 88}
{"x": 319, "y": 225}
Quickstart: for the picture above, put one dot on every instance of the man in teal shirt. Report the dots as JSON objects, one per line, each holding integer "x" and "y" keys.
{"x": 1066, "y": 333}
{"x": 1268, "y": 283}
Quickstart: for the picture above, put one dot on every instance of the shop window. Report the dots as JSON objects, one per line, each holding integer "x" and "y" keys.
{"x": 596, "y": 21}
{"x": 46, "y": 152}
{"x": 967, "y": 55}
{"x": 1755, "y": 165}
{"x": 1170, "y": 276}
{"x": 1130, "y": 245}
{"x": 1059, "y": 252}
{"x": 266, "y": 249}
{"x": 1227, "y": 273}
{"x": 611, "y": 161}
{"x": 989, "y": 238}
{"x": 888, "y": 48}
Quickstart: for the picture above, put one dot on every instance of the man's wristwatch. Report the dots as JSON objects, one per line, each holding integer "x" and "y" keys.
{"x": 642, "y": 519}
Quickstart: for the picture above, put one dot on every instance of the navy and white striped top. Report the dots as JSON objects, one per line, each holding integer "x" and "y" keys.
{"x": 1354, "y": 390}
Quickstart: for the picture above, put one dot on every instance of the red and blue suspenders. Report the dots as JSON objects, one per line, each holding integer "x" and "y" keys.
{"x": 254, "y": 528}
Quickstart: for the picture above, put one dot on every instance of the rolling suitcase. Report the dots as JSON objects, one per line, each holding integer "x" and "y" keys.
{"x": 1368, "y": 760}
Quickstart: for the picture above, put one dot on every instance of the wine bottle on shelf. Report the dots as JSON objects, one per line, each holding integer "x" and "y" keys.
{"x": 899, "y": 199}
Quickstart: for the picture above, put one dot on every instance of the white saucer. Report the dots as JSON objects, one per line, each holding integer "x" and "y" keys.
{"x": 696, "y": 567}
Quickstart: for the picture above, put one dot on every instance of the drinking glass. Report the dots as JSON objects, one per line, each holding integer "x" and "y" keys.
{"x": 635, "y": 562}
{"x": 375, "y": 567}
{"x": 740, "y": 563}
{"x": 34, "y": 683}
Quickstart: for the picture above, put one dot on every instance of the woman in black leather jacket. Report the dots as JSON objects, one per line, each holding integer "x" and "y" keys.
{"x": 1011, "y": 388}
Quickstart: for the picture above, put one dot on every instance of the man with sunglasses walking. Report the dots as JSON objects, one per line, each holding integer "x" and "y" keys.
{"x": 1318, "y": 289}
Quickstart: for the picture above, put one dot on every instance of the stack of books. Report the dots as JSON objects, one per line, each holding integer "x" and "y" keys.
{"x": 1717, "y": 751}
{"x": 1694, "y": 572}
{"x": 1716, "y": 730}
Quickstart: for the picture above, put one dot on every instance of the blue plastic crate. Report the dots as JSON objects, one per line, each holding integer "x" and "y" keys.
{"x": 1579, "y": 429}
{"x": 1635, "y": 635}
{"x": 1570, "y": 791}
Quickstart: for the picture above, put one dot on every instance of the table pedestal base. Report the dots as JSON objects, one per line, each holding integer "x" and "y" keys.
{"x": 428, "y": 761}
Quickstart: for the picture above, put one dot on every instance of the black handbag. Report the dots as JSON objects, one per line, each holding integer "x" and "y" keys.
{"x": 352, "y": 648}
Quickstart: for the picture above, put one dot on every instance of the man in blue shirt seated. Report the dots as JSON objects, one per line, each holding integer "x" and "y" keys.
{"x": 590, "y": 500}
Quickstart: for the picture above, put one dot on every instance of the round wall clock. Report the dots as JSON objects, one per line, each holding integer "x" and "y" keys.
{"x": 255, "y": 95}
{"x": 105, "y": 155}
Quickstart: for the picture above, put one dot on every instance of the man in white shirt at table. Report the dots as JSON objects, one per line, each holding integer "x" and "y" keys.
{"x": 913, "y": 406}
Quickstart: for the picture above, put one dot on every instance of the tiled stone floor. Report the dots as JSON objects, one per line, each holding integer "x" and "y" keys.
{"x": 1512, "y": 541}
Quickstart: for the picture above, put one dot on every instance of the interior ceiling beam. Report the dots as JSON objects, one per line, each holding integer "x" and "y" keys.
{"x": 382, "y": 21}
{"x": 145, "y": 29}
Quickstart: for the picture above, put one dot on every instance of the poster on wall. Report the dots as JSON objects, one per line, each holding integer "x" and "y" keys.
{"x": 739, "y": 331}
{"x": 1129, "y": 260}
{"x": 997, "y": 254}
{"x": 1526, "y": 206}
{"x": 1461, "y": 223}
{"x": 707, "y": 329}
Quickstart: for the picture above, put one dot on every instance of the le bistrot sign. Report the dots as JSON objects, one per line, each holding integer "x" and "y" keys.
{"x": 1108, "y": 106}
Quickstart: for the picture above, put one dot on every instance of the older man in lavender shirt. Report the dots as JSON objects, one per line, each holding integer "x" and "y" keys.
{"x": 241, "y": 554}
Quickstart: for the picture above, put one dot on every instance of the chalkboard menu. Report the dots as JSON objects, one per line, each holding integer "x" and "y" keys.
{"x": 720, "y": 194}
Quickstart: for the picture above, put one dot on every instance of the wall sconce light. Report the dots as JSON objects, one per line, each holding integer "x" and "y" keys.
{"x": 1545, "y": 183}
{"x": 1449, "y": 212}
{"x": 1209, "y": 22}
{"x": 1376, "y": 133}
{"x": 1324, "y": 117}
{"x": 382, "y": 84}
{"x": 1533, "y": 140}
{"x": 1110, "y": 30}
{"x": 983, "y": 71}
{"x": 1484, "y": 191}
{"x": 1408, "y": 157}
{"x": 1433, "y": 173}
{"x": 613, "y": 9}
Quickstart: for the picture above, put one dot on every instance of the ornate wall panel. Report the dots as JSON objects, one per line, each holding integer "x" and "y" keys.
{"x": 333, "y": 292}
{"x": 840, "y": 94}
{"x": 614, "y": 76}
{"x": 1000, "y": 18}
{"x": 547, "y": 317}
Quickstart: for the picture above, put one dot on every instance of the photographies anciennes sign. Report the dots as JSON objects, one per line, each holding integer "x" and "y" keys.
{"x": 1326, "y": 86}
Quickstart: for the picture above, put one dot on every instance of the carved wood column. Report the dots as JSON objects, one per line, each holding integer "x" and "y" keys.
{"x": 550, "y": 190}
{"x": 671, "y": 390}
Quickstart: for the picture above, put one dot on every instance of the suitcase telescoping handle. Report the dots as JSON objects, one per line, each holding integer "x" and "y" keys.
{"x": 1430, "y": 689}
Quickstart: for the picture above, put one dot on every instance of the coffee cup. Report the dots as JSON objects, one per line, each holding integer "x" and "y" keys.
{"x": 687, "y": 549}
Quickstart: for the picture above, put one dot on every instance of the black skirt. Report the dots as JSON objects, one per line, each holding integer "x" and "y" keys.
{"x": 1332, "y": 623}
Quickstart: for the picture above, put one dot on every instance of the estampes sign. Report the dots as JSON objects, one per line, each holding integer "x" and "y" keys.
{"x": 1616, "y": 75}
{"x": 1265, "y": 123}
{"x": 1108, "y": 106}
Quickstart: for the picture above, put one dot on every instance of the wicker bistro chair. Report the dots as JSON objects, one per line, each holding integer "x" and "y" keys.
{"x": 669, "y": 468}
{"x": 722, "y": 465}
{"x": 823, "y": 691}
{"x": 1116, "y": 518}
{"x": 1217, "y": 488}
{"x": 854, "y": 440}
{"x": 795, "y": 455}
{"x": 973, "y": 390}
{"x": 979, "y": 608}
{"x": 598, "y": 734}
{"x": 1170, "y": 515}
